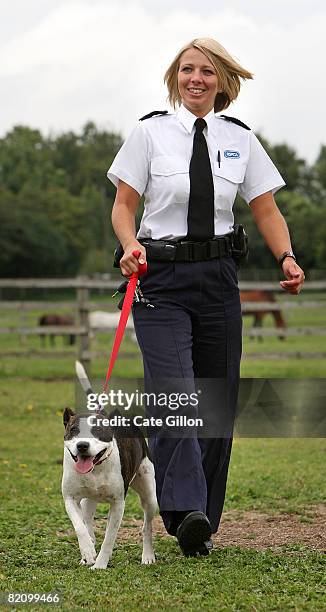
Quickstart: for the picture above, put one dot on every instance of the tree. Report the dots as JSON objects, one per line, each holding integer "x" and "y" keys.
{"x": 25, "y": 159}
{"x": 30, "y": 245}
{"x": 55, "y": 203}
{"x": 320, "y": 167}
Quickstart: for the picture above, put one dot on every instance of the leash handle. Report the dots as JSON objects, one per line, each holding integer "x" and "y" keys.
{"x": 127, "y": 303}
{"x": 142, "y": 267}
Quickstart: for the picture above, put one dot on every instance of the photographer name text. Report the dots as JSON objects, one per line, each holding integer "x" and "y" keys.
{"x": 171, "y": 420}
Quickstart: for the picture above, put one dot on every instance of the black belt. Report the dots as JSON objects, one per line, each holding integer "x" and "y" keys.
{"x": 186, "y": 250}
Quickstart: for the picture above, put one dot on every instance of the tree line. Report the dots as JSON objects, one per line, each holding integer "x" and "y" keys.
{"x": 55, "y": 204}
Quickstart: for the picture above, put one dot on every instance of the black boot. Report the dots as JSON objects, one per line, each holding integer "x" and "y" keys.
{"x": 193, "y": 534}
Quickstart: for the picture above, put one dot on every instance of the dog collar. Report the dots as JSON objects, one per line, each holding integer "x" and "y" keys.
{"x": 107, "y": 456}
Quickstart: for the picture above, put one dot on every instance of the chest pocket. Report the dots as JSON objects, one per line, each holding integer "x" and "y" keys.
{"x": 170, "y": 178}
{"x": 227, "y": 179}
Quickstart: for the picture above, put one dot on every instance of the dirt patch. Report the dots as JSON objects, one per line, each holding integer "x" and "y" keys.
{"x": 255, "y": 530}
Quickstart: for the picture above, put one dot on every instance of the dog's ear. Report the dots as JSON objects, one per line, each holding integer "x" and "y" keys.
{"x": 66, "y": 415}
{"x": 101, "y": 413}
{"x": 114, "y": 413}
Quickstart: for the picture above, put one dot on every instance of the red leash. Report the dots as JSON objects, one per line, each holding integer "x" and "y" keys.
{"x": 127, "y": 303}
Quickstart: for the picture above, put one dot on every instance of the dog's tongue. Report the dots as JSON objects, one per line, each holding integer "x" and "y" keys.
{"x": 84, "y": 465}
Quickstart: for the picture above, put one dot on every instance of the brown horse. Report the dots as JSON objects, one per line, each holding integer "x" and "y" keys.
{"x": 260, "y": 295}
{"x": 56, "y": 319}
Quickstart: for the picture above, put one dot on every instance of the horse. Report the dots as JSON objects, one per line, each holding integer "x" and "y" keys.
{"x": 60, "y": 320}
{"x": 260, "y": 295}
{"x": 100, "y": 320}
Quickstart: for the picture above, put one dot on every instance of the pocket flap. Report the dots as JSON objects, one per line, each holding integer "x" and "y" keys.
{"x": 232, "y": 170}
{"x": 168, "y": 164}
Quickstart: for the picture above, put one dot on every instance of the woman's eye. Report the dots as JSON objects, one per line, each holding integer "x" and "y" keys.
{"x": 208, "y": 72}
{"x": 186, "y": 69}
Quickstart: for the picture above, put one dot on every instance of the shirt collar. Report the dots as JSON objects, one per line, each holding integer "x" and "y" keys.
{"x": 188, "y": 119}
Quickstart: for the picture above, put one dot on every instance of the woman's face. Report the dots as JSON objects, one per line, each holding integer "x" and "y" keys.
{"x": 197, "y": 82}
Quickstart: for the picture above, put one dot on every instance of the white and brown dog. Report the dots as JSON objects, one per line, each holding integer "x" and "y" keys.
{"x": 99, "y": 465}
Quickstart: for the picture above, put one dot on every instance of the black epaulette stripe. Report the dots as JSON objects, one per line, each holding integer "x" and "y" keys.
{"x": 234, "y": 120}
{"x": 152, "y": 114}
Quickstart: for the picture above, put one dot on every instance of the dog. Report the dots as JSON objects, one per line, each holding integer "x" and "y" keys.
{"x": 99, "y": 465}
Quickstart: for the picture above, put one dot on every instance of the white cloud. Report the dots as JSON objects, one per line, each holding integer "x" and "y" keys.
{"x": 106, "y": 60}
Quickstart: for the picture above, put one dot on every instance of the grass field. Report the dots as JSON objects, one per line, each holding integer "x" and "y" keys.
{"x": 277, "y": 477}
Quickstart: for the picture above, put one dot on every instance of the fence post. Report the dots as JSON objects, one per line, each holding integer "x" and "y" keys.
{"x": 83, "y": 311}
{"x": 23, "y": 323}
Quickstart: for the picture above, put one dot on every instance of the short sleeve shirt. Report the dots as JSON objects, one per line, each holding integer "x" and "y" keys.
{"x": 155, "y": 160}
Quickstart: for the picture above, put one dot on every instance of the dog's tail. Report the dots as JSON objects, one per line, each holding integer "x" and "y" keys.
{"x": 84, "y": 381}
{"x": 83, "y": 378}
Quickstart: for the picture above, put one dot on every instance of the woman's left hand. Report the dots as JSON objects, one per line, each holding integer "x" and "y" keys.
{"x": 294, "y": 274}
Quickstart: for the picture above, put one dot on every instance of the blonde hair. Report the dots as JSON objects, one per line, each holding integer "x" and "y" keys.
{"x": 228, "y": 71}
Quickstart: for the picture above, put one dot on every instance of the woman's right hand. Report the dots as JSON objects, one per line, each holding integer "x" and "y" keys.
{"x": 128, "y": 262}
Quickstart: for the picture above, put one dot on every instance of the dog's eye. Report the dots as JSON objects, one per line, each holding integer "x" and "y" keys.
{"x": 96, "y": 431}
{"x": 74, "y": 431}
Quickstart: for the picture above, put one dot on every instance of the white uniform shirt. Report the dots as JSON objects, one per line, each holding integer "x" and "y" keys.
{"x": 155, "y": 159}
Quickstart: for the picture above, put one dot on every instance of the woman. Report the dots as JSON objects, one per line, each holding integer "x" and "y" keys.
{"x": 190, "y": 165}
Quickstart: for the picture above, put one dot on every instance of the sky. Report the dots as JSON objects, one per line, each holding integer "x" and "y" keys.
{"x": 65, "y": 62}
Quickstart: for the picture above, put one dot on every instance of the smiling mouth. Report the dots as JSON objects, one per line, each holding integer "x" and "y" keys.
{"x": 195, "y": 91}
{"x": 86, "y": 463}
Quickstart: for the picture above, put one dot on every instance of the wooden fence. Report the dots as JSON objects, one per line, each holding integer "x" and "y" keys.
{"x": 83, "y": 306}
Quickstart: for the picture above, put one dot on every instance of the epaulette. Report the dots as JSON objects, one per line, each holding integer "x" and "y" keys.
{"x": 234, "y": 120}
{"x": 152, "y": 114}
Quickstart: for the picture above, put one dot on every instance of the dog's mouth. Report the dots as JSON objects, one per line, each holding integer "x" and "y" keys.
{"x": 86, "y": 463}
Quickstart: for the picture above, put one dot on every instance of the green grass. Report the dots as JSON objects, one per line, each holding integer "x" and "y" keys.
{"x": 39, "y": 551}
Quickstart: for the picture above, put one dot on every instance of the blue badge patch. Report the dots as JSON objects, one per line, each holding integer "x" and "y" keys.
{"x": 232, "y": 154}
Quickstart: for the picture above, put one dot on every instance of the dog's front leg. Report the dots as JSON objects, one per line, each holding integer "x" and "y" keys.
{"x": 86, "y": 546}
{"x": 88, "y": 507}
{"x": 114, "y": 522}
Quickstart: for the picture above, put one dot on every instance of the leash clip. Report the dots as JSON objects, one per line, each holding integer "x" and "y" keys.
{"x": 139, "y": 297}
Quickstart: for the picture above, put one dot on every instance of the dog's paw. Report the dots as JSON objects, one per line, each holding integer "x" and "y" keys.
{"x": 99, "y": 565}
{"x": 88, "y": 556}
{"x": 89, "y": 561}
{"x": 148, "y": 558}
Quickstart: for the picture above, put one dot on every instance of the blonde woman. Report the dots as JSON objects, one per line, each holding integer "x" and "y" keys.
{"x": 190, "y": 165}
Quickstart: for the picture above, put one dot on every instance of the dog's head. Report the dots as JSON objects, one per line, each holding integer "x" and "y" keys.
{"x": 88, "y": 441}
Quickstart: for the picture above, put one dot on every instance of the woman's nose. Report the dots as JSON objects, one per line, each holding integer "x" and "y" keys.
{"x": 196, "y": 77}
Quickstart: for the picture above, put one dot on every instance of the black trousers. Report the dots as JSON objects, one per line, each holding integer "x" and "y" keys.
{"x": 193, "y": 331}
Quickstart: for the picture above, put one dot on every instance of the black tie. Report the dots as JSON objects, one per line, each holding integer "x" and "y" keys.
{"x": 201, "y": 198}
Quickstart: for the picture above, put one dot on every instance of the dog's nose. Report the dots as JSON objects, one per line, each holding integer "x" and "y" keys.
{"x": 82, "y": 447}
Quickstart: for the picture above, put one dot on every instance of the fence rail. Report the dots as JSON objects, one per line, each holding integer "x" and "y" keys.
{"x": 89, "y": 283}
{"x": 83, "y": 306}
{"x": 246, "y": 306}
